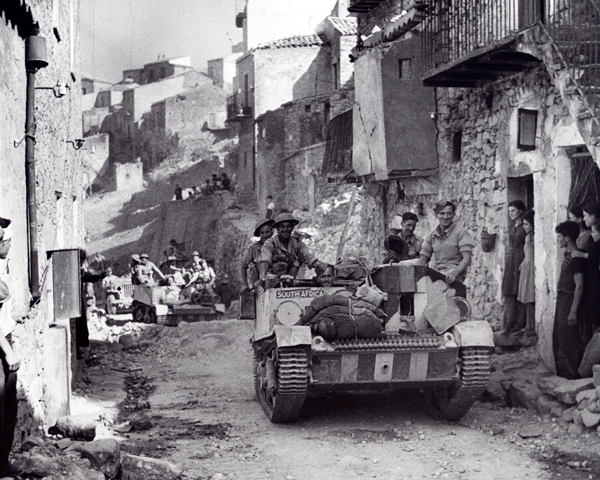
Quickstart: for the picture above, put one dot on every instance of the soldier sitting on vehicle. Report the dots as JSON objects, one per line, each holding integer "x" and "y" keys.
{"x": 283, "y": 254}
{"x": 145, "y": 271}
{"x": 203, "y": 277}
{"x": 172, "y": 292}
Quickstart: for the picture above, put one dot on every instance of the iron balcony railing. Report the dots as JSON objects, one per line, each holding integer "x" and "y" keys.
{"x": 235, "y": 108}
{"x": 455, "y": 28}
{"x": 574, "y": 27}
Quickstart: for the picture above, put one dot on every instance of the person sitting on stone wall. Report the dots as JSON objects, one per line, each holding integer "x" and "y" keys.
{"x": 225, "y": 181}
{"x": 207, "y": 188}
{"x": 216, "y": 182}
{"x": 283, "y": 254}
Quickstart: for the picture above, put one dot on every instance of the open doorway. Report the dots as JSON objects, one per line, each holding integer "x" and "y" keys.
{"x": 518, "y": 319}
{"x": 521, "y": 188}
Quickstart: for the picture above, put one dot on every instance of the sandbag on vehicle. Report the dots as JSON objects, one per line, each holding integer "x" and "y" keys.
{"x": 345, "y": 327}
{"x": 320, "y": 303}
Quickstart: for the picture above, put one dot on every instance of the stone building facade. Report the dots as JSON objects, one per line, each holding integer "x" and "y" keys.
{"x": 291, "y": 147}
{"x": 300, "y": 69}
{"x": 483, "y": 166}
{"x": 41, "y": 338}
{"x": 267, "y": 77}
{"x": 188, "y": 114}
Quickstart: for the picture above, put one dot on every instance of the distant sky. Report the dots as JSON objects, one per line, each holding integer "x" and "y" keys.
{"x": 118, "y": 35}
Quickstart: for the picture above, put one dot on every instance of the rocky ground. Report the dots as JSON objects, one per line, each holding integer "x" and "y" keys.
{"x": 178, "y": 402}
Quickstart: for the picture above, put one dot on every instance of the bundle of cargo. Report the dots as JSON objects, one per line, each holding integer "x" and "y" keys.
{"x": 339, "y": 317}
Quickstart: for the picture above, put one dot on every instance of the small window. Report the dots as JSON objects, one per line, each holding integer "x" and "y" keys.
{"x": 404, "y": 69}
{"x": 527, "y": 129}
{"x": 307, "y": 108}
{"x": 456, "y": 146}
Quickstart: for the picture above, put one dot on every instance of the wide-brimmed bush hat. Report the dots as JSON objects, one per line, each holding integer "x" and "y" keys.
{"x": 285, "y": 217}
{"x": 261, "y": 223}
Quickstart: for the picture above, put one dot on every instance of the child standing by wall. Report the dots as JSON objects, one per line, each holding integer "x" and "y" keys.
{"x": 526, "y": 292}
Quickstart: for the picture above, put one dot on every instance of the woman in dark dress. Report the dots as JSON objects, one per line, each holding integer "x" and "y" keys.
{"x": 589, "y": 311}
{"x": 515, "y": 313}
{"x": 566, "y": 338}
{"x": 576, "y": 215}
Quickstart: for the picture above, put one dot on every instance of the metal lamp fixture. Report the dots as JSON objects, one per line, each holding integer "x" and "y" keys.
{"x": 59, "y": 90}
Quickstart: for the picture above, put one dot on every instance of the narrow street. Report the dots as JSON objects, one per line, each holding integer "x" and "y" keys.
{"x": 201, "y": 414}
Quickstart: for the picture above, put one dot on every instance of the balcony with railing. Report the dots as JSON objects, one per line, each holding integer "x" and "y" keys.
{"x": 467, "y": 44}
{"x": 363, "y": 6}
{"x": 237, "y": 110}
{"x": 574, "y": 28}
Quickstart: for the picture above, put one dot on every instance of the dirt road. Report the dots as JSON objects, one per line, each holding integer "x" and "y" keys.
{"x": 203, "y": 415}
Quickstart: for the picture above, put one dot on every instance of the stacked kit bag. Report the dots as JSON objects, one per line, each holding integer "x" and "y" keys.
{"x": 338, "y": 317}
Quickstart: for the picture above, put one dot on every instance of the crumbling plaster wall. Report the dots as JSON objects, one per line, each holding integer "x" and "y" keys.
{"x": 285, "y": 74}
{"x": 59, "y": 194}
{"x": 95, "y": 159}
{"x": 186, "y": 113}
{"x": 478, "y": 185}
{"x": 290, "y": 150}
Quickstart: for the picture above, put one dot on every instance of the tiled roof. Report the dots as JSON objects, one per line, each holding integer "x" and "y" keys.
{"x": 293, "y": 42}
{"x": 346, "y": 26}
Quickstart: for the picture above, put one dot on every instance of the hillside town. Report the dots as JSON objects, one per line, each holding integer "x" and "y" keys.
{"x": 359, "y": 239}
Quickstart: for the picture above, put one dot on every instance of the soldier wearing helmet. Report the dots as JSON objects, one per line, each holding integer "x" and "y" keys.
{"x": 283, "y": 254}
{"x": 251, "y": 261}
{"x": 145, "y": 271}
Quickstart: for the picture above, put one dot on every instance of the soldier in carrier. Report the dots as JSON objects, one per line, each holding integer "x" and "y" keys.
{"x": 203, "y": 278}
{"x": 283, "y": 254}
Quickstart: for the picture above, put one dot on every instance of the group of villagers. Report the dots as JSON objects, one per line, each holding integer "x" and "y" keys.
{"x": 577, "y": 315}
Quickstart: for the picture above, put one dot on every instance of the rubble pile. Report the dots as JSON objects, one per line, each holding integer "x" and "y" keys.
{"x": 59, "y": 458}
{"x": 519, "y": 380}
{"x": 322, "y": 228}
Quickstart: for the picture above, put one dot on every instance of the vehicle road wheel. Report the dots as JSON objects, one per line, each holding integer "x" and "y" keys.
{"x": 150, "y": 316}
{"x": 452, "y": 403}
{"x": 281, "y": 382}
{"x": 111, "y": 306}
{"x": 139, "y": 312}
